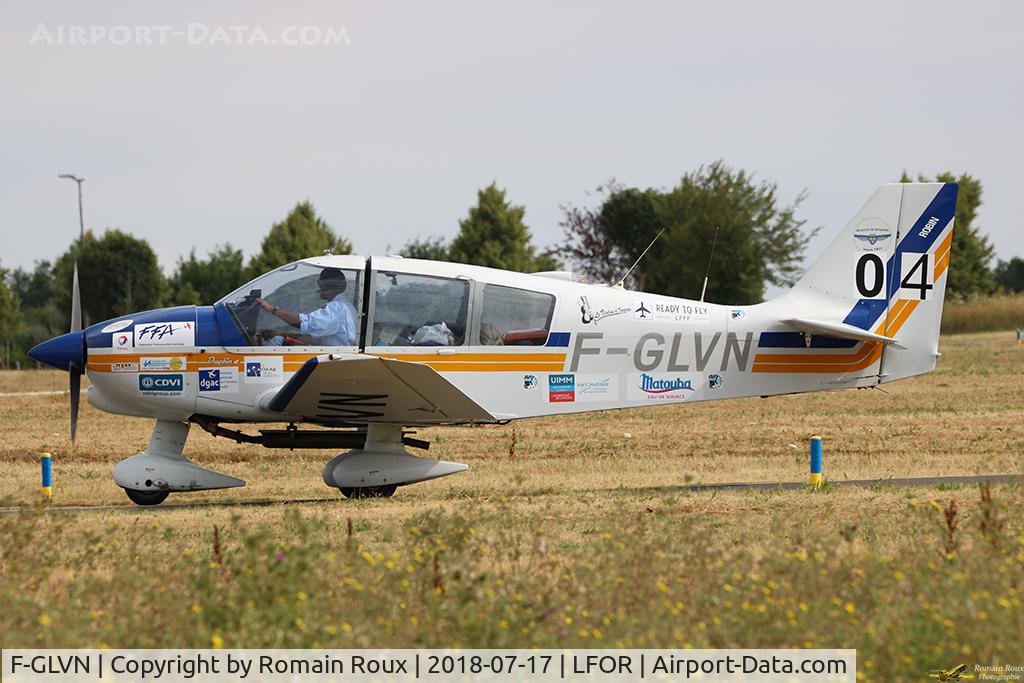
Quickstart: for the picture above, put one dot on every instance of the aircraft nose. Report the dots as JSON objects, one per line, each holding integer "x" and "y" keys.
{"x": 61, "y": 351}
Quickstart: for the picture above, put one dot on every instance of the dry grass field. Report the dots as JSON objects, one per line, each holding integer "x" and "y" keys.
{"x": 564, "y": 532}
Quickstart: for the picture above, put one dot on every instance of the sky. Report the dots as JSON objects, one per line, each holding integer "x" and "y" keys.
{"x": 193, "y": 128}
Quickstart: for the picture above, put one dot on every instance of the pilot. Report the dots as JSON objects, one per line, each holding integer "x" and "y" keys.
{"x": 333, "y": 324}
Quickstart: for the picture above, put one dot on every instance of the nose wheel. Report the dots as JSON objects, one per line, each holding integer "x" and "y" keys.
{"x": 368, "y": 491}
{"x": 147, "y": 497}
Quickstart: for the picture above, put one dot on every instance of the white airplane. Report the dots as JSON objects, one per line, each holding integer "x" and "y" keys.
{"x": 433, "y": 343}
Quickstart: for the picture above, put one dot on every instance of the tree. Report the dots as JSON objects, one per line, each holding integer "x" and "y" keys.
{"x": 300, "y": 235}
{"x": 630, "y": 219}
{"x": 494, "y": 235}
{"x": 203, "y": 281}
{"x": 590, "y": 250}
{"x": 969, "y": 269}
{"x": 430, "y": 248}
{"x": 11, "y": 322}
{"x": 1010, "y": 274}
{"x": 117, "y": 274}
{"x": 36, "y": 290}
{"x": 760, "y": 241}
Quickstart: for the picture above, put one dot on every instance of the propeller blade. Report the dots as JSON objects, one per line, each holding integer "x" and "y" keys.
{"x": 76, "y": 303}
{"x": 75, "y": 376}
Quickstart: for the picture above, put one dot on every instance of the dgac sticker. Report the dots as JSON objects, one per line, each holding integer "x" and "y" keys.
{"x": 218, "y": 380}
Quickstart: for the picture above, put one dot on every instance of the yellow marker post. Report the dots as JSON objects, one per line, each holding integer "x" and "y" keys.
{"x": 46, "y": 461}
{"x": 816, "y": 461}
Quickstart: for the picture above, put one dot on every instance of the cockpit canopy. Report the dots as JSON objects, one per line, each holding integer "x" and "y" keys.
{"x": 404, "y": 309}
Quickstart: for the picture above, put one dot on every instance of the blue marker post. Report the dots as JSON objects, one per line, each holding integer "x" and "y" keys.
{"x": 816, "y": 461}
{"x": 46, "y": 461}
{"x": 1018, "y": 337}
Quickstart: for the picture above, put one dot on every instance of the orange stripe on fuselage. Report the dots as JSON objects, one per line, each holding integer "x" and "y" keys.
{"x": 834, "y": 357}
{"x": 868, "y": 354}
{"x": 456, "y": 362}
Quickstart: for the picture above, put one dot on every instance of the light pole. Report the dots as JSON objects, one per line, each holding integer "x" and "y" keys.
{"x": 81, "y": 221}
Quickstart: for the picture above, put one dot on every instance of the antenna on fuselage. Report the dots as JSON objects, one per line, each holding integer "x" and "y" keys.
{"x": 621, "y": 283}
{"x": 708, "y": 271}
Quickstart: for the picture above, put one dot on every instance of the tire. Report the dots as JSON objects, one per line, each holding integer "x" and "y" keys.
{"x": 369, "y": 491}
{"x": 147, "y": 497}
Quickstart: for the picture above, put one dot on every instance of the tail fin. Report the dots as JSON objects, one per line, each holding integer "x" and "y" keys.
{"x": 886, "y": 274}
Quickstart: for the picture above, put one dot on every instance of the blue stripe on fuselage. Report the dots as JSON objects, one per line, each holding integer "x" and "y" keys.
{"x": 558, "y": 339}
{"x": 795, "y": 340}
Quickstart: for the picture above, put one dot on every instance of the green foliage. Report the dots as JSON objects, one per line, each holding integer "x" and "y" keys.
{"x": 117, "y": 274}
{"x": 41, "y": 315}
{"x": 302, "y": 234}
{"x": 587, "y": 244}
{"x": 11, "y": 321}
{"x": 35, "y": 288}
{"x": 970, "y": 272}
{"x": 630, "y": 220}
{"x": 760, "y": 241}
{"x": 429, "y": 248}
{"x": 1010, "y": 274}
{"x": 494, "y": 235}
{"x": 203, "y": 281}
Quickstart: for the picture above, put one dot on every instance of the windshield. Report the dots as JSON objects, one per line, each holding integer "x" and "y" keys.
{"x": 299, "y": 304}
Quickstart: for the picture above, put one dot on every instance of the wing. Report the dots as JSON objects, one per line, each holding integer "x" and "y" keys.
{"x": 347, "y": 389}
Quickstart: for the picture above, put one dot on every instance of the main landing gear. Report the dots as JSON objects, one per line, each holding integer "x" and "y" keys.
{"x": 382, "y": 465}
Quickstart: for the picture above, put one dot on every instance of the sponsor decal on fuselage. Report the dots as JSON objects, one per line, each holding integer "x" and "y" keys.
{"x": 662, "y": 387}
{"x": 218, "y": 380}
{"x": 213, "y": 360}
{"x": 165, "y": 334}
{"x": 159, "y": 364}
{"x": 530, "y": 381}
{"x": 561, "y": 388}
{"x": 597, "y": 387}
{"x": 124, "y": 367}
{"x": 675, "y": 312}
{"x": 264, "y": 369}
{"x": 161, "y": 384}
{"x": 590, "y": 316}
{"x": 123, "y": 342}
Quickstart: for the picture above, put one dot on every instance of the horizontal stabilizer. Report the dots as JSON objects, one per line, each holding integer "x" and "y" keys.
{"x": 842, "y": 330}
{"x": 359, "y": 389}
